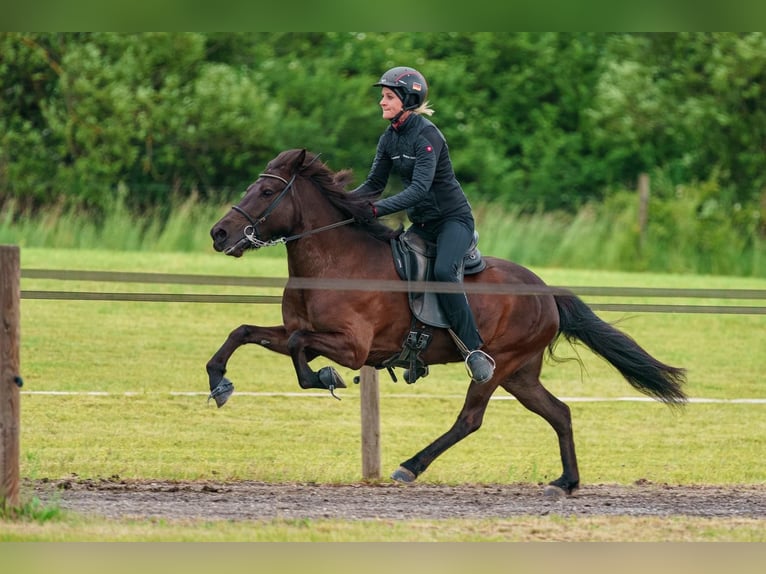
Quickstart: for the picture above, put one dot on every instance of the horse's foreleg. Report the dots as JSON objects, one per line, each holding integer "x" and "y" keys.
{"x": 272, "y": 338}
{"x": 469, "y": 420}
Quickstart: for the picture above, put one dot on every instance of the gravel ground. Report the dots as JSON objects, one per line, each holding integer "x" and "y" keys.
{"x": 253, "y": 500}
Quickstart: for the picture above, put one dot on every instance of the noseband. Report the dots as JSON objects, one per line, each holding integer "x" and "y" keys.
{"x": 251, "y": 236}
{"x": 270, "y": 208}
{"x": 250, "y": 232}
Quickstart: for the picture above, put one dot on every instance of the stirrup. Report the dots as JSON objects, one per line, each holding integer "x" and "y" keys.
{"x": 491, "y": 361}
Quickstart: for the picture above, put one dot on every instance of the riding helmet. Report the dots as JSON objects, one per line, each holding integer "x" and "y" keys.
{"x": 408, "y": 84}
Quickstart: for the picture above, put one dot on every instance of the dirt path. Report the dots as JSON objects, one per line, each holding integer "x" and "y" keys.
{"x": 251, "y": 500}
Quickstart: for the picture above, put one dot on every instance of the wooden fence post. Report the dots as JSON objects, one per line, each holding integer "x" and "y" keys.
{"x": 10, "y": 381}
{"x": 370, "y": 406}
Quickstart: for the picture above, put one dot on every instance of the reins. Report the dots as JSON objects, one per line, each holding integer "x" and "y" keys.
{"x": 251, "y": 231}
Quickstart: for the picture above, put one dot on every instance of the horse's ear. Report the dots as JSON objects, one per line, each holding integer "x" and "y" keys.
{"x": 300, "y": 157}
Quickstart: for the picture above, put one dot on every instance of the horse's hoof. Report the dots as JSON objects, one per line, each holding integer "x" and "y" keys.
{"x": 402, "y": 474}
{"x": 554, "y": 492}
{"x": 330, "y": 378}
{"x": 222, "y": 392}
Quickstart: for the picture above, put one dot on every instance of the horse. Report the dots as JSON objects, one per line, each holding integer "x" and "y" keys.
{"x": 300, "y": 202}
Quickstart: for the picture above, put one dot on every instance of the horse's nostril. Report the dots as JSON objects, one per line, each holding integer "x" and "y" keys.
{"x": 218, "y": 233}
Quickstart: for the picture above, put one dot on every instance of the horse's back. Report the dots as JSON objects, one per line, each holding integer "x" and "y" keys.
{"x": 512, "y": 311}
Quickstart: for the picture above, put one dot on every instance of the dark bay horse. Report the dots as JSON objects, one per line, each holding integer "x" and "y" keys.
{"x": 299, "y": 201}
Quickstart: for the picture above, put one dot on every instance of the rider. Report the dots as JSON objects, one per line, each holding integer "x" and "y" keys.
{"x": 435, "y": 203}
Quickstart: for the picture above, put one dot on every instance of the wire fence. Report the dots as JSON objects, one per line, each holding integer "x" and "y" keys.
{"x": 746, "y": 299}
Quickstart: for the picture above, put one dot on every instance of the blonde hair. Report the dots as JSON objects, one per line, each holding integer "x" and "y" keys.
{"x": 424, "y": 109}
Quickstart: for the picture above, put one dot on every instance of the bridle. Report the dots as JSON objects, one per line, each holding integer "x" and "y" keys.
{"x": 251, "y": 237}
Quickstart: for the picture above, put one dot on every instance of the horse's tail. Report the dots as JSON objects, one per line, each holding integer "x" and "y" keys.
{"x": 645, "y": 373}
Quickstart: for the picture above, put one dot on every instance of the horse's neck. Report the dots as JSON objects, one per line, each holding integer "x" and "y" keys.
{"x": 342, "y": 252}
{"x": 345, "y": 251}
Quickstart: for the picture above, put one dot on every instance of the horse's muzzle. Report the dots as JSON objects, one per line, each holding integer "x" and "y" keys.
{"x": 221, "y": 241}
{"x": 238, "y": 249}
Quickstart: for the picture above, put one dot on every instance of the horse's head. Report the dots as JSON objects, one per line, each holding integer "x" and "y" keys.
{"x": 264, "y": 216}
{"x": 279, "y": 206}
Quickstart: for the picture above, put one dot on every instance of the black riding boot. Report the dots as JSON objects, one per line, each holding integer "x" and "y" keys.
{"x": 480, "y": 366}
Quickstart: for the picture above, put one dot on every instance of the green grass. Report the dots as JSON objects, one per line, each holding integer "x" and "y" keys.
{"x": 30, "y": 510}
{"x": 519, "y": 529}
{"x": 151, "y": 350}
{"x": 279, "y": 439}
{"x": 153, "y": 420}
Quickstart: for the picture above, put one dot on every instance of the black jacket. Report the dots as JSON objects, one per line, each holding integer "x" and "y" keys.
{"x": 418, "y": 151}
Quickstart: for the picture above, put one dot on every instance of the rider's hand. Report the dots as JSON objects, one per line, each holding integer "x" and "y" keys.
{"x": 369, "y": 214}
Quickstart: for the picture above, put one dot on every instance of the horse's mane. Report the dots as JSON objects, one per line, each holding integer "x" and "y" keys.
{"x": 357, "y": 205}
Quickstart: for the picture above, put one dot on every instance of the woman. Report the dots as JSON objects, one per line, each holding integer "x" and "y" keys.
{"x": 435, "y": 203}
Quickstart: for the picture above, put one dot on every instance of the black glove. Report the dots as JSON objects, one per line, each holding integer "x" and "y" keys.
{"x": 368, "y": 215}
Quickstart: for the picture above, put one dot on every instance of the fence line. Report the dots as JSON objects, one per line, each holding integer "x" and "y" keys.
{"x": 377, "y": 285}
{"x": 275, "y": 299}
{"x": 150, "y": 297}
{"x": 386, "y": 285}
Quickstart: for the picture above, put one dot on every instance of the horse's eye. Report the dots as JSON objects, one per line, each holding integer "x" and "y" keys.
{"x": 268, "y": 192}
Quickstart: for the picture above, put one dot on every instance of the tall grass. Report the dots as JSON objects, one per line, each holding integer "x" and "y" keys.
{"x": 184, "y": 228}
{"x": 679, "y": 239}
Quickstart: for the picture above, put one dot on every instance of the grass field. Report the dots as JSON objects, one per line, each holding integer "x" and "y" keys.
{"x": 137, "y": 407}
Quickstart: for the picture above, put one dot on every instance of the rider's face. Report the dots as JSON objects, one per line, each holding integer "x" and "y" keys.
{"x": 390, "y": 103}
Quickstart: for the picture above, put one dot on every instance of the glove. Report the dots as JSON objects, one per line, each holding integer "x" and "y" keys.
{"x": 368, "y": 215}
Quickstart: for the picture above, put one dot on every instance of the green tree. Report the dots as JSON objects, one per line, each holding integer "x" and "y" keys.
{"x": 534, "y": 120}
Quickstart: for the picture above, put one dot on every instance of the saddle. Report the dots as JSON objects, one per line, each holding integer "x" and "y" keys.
{"x": 414, "y": 258}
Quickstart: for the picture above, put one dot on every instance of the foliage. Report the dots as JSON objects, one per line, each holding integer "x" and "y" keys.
{"x": 556, "y": 119}
{"x": 546, "y": 123}
{"x": 686, "y": 103}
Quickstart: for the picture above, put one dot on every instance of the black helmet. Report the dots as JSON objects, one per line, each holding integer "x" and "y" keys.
{"x": 408, "y": 84}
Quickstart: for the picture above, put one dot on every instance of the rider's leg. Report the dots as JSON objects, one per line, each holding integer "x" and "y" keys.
{"x": 451, "y": 245}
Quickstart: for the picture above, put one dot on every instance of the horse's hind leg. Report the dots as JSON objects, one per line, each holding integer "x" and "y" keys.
{"x": 469, "y": 420}
{"x": 525, "y": 385}
{"x": 342, "y": 347}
